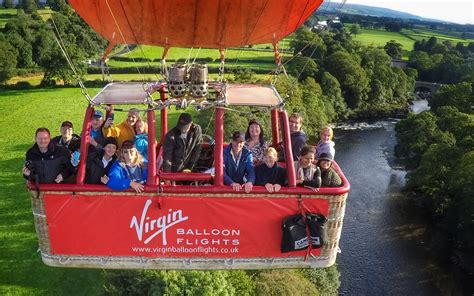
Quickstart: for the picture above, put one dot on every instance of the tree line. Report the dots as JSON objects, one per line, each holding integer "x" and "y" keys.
{"x": 443, "y": 62}
{"x": 29, "y": 44}
{"x": 437, "y": 147}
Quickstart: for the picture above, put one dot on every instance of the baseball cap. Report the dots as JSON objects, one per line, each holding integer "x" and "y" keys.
{"x": 184, "y": 121}
{"x": 67, "y": 124}
{"x": 128, "y": 144}
{"x": 97, "y": 114}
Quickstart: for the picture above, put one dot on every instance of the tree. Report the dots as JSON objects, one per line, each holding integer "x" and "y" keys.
{"x": 462, "y": 186}
{"x": 430, "y": 44}
{"x": 24, "y": 48}
{"x": 351, "y": 76}
{"x": 8, "y": 4}
{"x": 315, "y": 113}
{"x": 283, "y": 282}
{"x": 57, "y": 5}
{"x": 160, "y": 282}
{"x": 302, "y": 67}
{"x": 393, "y": 49}
{"x": 416, "y": 134}
{"x": 8, "y": 60}
{"x": 431, "y": 178}
{"x": 326, "y": 280}
{"x": 29, "y": 6}
{"x": 459, "y": 124}
{"x": 377, "y": 65}
{"x": 458, "y": 95}
{"x": 308, "y": 44}
{"x": 461, "y": 48}
{"x": 439, "y": 48}
{"x": 355, "y": 29}
{"x": 470, "y": 47}
{"x": 336, "y": 107}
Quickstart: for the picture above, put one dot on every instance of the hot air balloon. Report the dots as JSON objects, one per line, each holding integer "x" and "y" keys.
{"x": 191, "y": 220}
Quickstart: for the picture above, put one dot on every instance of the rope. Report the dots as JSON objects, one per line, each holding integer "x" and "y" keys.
{"x": 123, "y": 37}
{"x": 290, "y": 91}
{"x": 63, "y": 49}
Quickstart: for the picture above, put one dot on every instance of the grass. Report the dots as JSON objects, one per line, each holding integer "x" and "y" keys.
{"x": 155, "y": 52}
{"x": 258, "y": 57}
{"x": 370, "y": 37}
{"x": 427, "y": 34}
{"x": 23, "y": 272}
{"x": 7, "y": 13}
{"x": 35, "y": 80}
{"x": 373, "y": 37}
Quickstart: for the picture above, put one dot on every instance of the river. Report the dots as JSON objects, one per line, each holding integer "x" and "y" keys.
{"x": 382, "y": 250}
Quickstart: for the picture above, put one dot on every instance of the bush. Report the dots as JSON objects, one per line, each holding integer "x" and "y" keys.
{"x": 23, "y": 85}
{"x": 283, "y": 282}
{"x": 325, "y": 279}
{"x": 161, "y": 282}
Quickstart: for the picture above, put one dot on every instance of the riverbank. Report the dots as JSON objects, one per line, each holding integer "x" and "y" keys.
{"x": 387, "y": 244}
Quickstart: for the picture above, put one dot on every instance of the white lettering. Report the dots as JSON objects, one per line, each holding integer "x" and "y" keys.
{"x": 161, "y": 224}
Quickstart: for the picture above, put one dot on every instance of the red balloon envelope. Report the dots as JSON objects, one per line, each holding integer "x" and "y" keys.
{"x": 195, "y": 23}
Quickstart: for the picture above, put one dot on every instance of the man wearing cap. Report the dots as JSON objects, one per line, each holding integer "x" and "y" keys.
{"x": 124, "y": 131}
{"x": 96, "y": 139}
{"x": 68, "y": 138}
{"x": 47, "y": 162}
{"x": 238, "y": 164}
{"x": 181, "y": 147}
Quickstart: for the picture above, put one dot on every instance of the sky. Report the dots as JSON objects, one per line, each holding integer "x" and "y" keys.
{"x": 457, "y": 11}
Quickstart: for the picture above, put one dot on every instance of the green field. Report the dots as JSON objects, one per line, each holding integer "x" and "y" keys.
{"x": 22, "y": 271}
{"x": 6, "y": 14}
{"x": 370, "y": 37}
{"x": 407, "y": 38}
{"x": 427, "y": 34}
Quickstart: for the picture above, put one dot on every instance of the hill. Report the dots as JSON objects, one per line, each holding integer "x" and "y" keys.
{"x": 334, "y": 7}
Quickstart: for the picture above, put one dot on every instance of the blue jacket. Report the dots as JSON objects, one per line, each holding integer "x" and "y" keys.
{"x": 141, "y": 142}
{"x": 234, "y": 173}
{"x": 119, "y": 178}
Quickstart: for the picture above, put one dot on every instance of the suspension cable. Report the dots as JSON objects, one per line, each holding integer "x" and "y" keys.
{"x": 62, "y": 47}
{"x": 123, "y": 38}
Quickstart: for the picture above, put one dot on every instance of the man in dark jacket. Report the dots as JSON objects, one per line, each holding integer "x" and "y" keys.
{"x": 238, "y": 164}
{"x": 99, "y": 162}
{"x": 46, "y": 162}
{"x": 297, "y": 137}
{"x": 68, "y": 138}
{"x": 181, "y": 147}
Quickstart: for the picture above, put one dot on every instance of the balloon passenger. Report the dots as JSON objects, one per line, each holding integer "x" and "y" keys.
{"x": 329, "y": 176}
{"x": 68, "y": 138}
{"x": 47, "y": 162}
{"x": 238, "y": 164}
{"x": 297, "y": 137}
{"x": 124, "y": 131}
{"x": 141, "y": 138}
{"x": 99, "y": 162}
{"x": 97, "y": 138}
{"x": 181, "y": 147}
{"x": 129, "y": 171}
{"x": 325, "y": 144}
{"x": 307, "y": 173}
{"x": 254, "y": 140}
{"x": 269, "y": 173}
